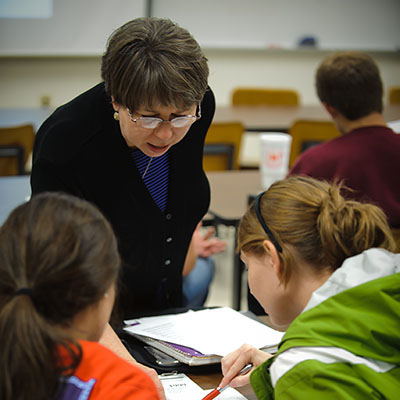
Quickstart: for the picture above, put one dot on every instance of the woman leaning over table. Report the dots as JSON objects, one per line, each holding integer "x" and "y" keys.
{"x": 323, "y": 269}
{"x": 133, "y": 146}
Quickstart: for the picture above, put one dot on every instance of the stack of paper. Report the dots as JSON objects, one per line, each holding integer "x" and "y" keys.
{"x": 203, "y": 337}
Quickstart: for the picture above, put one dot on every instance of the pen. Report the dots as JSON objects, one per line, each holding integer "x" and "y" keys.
{"x": 216, "y": 392}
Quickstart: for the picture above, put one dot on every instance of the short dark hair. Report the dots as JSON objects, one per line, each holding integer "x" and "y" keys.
{"x": 152, "y": 61}
{"x": 351, "y": 83}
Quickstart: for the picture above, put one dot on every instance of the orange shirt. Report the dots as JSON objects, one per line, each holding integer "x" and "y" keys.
{"x": 101, "y": 374}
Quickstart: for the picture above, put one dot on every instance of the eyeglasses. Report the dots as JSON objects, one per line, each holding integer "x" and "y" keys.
{"x": 153, "y": 122}
{"x": 263, "y": 223}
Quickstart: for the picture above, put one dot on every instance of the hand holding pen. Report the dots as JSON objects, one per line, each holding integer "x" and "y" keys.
{"x": 216, "y": 392}
{"x": 233, "y": 362}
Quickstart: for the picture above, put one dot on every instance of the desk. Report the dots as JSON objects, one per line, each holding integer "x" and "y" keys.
{"x": 230, "y": 191}
{"x": 281, "y": 118}
{"x": 258, "y": 119}
{"x": 269, "y": 118}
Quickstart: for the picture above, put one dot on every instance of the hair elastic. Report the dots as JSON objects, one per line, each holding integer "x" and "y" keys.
{"x": 263, "y": 223}
{"x": 22, "y": 291}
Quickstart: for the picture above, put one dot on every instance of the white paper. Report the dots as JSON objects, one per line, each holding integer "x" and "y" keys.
{"x": 394, "y": 125}
{"x": 181, "y": 387}
{"x": 212, "y": 331}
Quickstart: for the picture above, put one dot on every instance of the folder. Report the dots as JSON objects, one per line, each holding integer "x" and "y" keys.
{"x": 203, "y": 337}
{"x": 183, "y": 354}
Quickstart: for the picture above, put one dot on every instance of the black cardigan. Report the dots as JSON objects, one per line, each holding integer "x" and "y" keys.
{"x": 80, "y": 150}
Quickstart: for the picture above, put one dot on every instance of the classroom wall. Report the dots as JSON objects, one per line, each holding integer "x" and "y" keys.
{"x": 25, "y": 80}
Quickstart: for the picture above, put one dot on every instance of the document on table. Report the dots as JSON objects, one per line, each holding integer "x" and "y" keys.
{"x": 210, "y": 331}
{"x": 181, "y": 387}
{"x": 394, "y": 125}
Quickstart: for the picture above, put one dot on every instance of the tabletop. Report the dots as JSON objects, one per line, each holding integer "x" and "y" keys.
{"x": 280, "y": 118}
{"x": 230, "y": 191}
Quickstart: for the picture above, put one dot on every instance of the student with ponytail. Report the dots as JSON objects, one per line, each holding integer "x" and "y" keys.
{"x": 323, "y": 269}
{"x": 58, "y": 266}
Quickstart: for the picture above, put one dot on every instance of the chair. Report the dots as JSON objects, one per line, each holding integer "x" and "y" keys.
{"x": 16, "y": 145}
{"x": 263, "y": 96}
{"x": 394, "y": 95}
{"x": 222, "y": 146}
{"x": 307, "y": 133}
{"x": 247, "y": 96}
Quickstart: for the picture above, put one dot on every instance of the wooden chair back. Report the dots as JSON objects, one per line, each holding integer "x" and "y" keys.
{"x": 394, "y": 95}
{"x": 306, "y": 133}
{"x": 16, "y": 145}
{"x": 265, "y": 96}
{"x": 222, "y": 146}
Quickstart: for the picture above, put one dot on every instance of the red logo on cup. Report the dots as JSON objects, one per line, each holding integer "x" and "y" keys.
{"x": 274, "y": 159}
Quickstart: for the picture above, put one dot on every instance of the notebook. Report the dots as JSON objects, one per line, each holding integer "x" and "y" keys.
{"x": 203, "y": 337}
{"x": 181, "y": 387}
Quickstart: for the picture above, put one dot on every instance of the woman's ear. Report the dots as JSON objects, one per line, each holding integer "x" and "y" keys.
{"x": 115, "y": 105}
{"x": 273, "y": 254}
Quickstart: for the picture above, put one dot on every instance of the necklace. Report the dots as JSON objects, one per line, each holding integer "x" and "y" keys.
{"x": 147, "y": 168}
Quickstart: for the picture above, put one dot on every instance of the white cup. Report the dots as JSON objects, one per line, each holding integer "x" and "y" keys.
{"x": 274, "y": 162}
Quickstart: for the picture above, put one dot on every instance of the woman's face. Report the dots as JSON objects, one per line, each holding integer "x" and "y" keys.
{"x": 266, "y": 287}
{"x": 153, "y": 142}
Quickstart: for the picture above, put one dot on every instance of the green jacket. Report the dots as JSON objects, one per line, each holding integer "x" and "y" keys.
{"x": 346, "y": 342}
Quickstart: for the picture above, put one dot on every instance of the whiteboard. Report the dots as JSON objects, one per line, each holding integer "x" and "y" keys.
{"x": 81, "y": 27}
{"x": 336, "y": 24}
{"x": 74, "y": 27}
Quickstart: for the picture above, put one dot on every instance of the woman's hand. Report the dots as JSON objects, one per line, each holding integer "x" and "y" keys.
{"x": 202, "y": 245}
{"x": 235, "y": 361}
{"x": 205, "y": 244}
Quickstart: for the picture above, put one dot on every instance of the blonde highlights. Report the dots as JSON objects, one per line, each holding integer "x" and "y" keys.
{"x": 153, "y": 61}
{"x": 313, "y": 222}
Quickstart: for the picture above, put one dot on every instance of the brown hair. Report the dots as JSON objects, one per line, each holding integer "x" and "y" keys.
{"x": 313, "y": 222}
{"x": 351, "y": 83}
{"x": 152, "y": 61}
{"x": 64, "y": 252}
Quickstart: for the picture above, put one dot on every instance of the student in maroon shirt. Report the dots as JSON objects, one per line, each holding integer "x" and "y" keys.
{"x": 366, "y": 156}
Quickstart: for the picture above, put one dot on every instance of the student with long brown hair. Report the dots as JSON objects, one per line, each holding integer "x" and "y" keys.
{"x": 58, "y": 265}
{"x": 323, "y": 269}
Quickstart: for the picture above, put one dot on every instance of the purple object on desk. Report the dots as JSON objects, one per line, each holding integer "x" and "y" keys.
{"x": 187, "y": 350}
